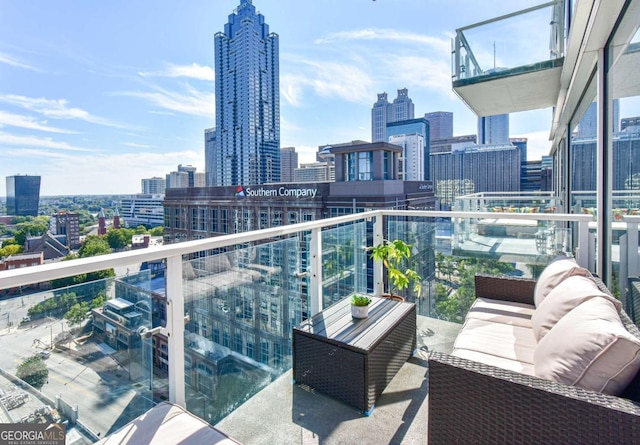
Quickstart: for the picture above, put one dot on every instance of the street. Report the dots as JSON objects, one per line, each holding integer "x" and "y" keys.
{"x": 83, "y": 375}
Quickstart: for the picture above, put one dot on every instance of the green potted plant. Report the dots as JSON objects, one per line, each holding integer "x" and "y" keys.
{"x": 394, "y": 256}
{"x": 360, "y": 306}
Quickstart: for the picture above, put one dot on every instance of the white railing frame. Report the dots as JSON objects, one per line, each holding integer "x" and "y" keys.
{"x": 173, "y": 253}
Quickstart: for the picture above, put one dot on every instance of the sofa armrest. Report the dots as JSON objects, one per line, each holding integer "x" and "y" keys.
{"x": 470, "y": 402}
{"x": 519, "y": 290}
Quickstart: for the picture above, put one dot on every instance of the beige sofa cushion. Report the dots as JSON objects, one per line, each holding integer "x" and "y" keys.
{"x": 552, "y": 275}
{"x": 168, "y": 424}
{"x": 500, "y": 362}
{"x": 499, "y": 311}
{"x": 564, "y": 297}
{"x": 589, "y": 347}
{"x": 497, "y": 339}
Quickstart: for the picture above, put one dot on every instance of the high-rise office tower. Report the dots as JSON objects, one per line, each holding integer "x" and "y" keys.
{"x": 412, "y": 160}
{"x": 288, "y": 163}
{"x": 153, "y": 186}
{"x": 412, "y": 127}
{"x": 209, "y": 155}
{"x": 440, "y": 124}
{"x": 493, "y": 130}
{"x": 23, "y": 195}
{"x": 383, "y": 112}
{"x": 247, "y": 101}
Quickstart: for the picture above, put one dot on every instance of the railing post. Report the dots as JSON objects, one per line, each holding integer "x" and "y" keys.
{"x": 378, "y": 237}
{"x": 456, "y": 57}
{"x": 175, "y": 329}
{"x": 633, "y": 265}
{"x": 315, "y": 280}
{"x": 582, "y": 250}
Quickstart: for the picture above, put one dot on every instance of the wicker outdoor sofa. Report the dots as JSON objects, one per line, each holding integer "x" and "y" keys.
{"x": 478, "y": 403}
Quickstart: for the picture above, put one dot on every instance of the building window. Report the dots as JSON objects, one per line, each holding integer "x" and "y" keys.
{"x": 365, "y": 166}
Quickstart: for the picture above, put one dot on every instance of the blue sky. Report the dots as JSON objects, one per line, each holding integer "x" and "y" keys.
{"x": 96, "y": 95}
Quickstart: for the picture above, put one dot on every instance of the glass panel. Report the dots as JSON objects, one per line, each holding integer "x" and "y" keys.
{"x": 74, "y": 353}
{"x": 497, "y": 246}
{"x": 511, "y": 42}
{"x": 242, "y": 305}
{"x": 624, "y": 115}
{"x": 346, "y": 267}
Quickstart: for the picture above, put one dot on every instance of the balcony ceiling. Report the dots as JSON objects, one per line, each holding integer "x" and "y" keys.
{"x": 512, "y": 90}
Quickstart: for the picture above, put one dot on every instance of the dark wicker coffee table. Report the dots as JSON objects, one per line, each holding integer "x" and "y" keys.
{"x": 354, "y": 360}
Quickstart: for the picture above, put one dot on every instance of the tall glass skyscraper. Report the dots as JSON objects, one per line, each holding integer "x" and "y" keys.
{"x": 383, "y": 112}
{"x": 493, "y": 130}
{"x": 23, "y": 195}
{"x": 247, "y": 101}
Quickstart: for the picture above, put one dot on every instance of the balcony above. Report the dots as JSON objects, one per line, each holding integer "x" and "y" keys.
{"x": 511, "y": 63}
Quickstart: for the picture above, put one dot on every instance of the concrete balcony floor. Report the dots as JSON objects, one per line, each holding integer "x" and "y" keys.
{"x": 284, "y": 413}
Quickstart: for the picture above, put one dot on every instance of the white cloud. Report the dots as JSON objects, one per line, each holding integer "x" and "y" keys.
{"x": 40, "y": 142}
{"x": 135, "y": 145}
{"x": 328, "y": 79}
{"x": 11, "y": 61}
{"x": 118, "y": 173}
{"x": 193, "y": 71}
{"x": 56, "y": 109}
{"x": 194, "y": 102}
{"x": 439, "y": 44}
{"x": 28, "y": 122}
{"x": 421, "y": 72}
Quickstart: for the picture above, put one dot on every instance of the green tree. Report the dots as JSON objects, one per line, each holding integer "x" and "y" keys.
{"x": 157, "y": 231}
{"x": 94, "y": 245}
{"x": 10, "y": 249}
{"x": 119, "y": 238}
{"x": 33, "y": 371}
{"x": 77, "y": 313}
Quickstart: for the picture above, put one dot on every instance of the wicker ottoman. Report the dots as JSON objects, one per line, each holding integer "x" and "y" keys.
{"x": 354, "y": 360}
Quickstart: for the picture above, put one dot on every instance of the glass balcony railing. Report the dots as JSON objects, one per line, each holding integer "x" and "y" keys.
{"x": 207, "y": 323}
{"x": 510, "y": 44}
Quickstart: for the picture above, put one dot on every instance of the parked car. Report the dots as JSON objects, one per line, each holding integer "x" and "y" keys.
{"x": 44, "y": 354}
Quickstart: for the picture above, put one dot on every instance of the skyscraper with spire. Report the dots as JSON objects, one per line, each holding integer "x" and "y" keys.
{"x": 247, "y": 143}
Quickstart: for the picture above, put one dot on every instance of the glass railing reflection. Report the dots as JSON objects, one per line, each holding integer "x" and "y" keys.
{"x": 73, "y": 354}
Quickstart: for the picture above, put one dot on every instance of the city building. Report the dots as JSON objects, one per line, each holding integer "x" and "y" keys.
{"x": 288, "y": 163}
{"x": 209, "y": 155}
{"x": 366, "y": 177}
{"x": 51, "y": 246}
{"x": 384, "y": 112}
{"x": 19, "y": 260}
{"x": 403, "y": 131}
{"x": 493, "y": 130}
{"x": 154, "y": 186}
{"x": 68, "y": 225}
{"x": 143, "y": 209}
{"x": 447, "y": 145}
{"x": 412, "y": 160}
{"x": 483, "y": 168}
{"x": 23, "y": 195}
{"x": 440, "y": 124}
{"x": 630, "y": 124}
{"x": 186, "y": 176}
{"x": 537, "y": 175}
{"x": 315, "y": 172}
{"x": 247, "y": 90}
{"x": 102, "y": 223}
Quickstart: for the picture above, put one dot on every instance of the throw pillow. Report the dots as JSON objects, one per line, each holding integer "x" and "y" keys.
{"x": 589, "y": 347}
{"x": 567, "y": 295}
{"x": 559, "y": 269}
